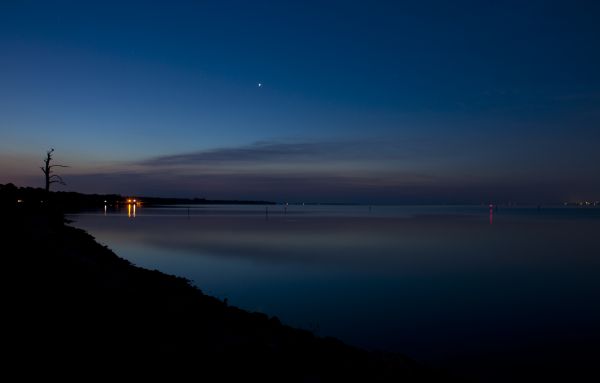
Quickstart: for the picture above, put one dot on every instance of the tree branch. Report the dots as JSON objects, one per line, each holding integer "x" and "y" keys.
{"x": 47, "y": 170}
{"x": 57, "y": 180}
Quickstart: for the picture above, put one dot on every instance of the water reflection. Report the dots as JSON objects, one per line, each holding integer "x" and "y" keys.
{"x": 432, "y": 282}
{"x": 131, "y": 210}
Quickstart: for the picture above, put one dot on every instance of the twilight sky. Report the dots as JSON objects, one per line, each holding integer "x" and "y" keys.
{"x": 361, "y": 101}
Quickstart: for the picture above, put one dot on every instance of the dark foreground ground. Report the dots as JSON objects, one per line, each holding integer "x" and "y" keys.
{"x": 69, "y": 301}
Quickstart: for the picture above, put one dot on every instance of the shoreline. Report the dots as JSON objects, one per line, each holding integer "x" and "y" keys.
{"x": 69, "y": 284}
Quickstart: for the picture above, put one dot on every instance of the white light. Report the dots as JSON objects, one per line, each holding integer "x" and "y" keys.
{"x": 260, "y": 84}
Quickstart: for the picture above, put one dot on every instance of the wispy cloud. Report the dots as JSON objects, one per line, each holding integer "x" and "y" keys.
{"x": 274, "y": 151}
{"x": 349, "y": 171}
{"x": 257, "y": 152}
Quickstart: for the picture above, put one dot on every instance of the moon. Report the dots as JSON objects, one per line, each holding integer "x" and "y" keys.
{"x": 260, "y": 84}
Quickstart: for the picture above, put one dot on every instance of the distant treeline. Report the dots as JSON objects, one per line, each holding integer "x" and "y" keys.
{"x": 180, "y": 201}
{"x": 11, "y": 195}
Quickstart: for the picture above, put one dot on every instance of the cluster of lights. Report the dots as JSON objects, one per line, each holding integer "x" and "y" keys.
{"x": 131, "y": 206}
{"x": 588, "y": 203}
{"x": 583, "y": 203}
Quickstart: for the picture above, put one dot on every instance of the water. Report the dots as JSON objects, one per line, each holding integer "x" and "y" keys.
{"x": 446, "y": 285}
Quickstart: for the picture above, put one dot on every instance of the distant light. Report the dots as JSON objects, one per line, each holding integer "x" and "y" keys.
{"x": 19, "y": 201}
{"x": 104, "y": 201}
{"x": 260, "y": 84}
{"x": 133, "y": 200}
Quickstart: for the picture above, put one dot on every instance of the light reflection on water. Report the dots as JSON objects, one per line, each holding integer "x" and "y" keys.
{"x": 433, "y": 282}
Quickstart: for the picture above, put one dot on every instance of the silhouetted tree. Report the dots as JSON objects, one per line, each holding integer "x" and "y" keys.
{"x": 47, "y": 169}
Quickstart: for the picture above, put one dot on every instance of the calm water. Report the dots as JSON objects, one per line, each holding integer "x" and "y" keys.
{"x": 442, "y": 284}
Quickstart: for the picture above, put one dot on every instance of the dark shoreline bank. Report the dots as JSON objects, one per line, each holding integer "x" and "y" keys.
{"x": 70, "y": 297}
{"x": 34, "y": 198}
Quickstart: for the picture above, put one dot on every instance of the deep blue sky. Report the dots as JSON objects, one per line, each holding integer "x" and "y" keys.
{"x": 428, "y": 101}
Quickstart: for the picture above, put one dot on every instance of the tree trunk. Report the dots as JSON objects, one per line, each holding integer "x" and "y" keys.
{"x": 46, "y": 170}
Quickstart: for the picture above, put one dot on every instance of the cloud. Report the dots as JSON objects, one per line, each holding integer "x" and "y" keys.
{"x": 349, "y": 171}
{"x": 257, "y": 152}
{"x": 273, "y": 151}
{"x": 275, "y": 170}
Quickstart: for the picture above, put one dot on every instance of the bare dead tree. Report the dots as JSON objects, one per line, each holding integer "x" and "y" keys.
{"x": 51, "y": 178}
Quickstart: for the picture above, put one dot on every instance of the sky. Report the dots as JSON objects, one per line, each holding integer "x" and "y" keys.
{"x": 359, "y": 101}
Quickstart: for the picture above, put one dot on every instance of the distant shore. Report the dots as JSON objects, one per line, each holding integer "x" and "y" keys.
{"x": 34, "y": 197}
